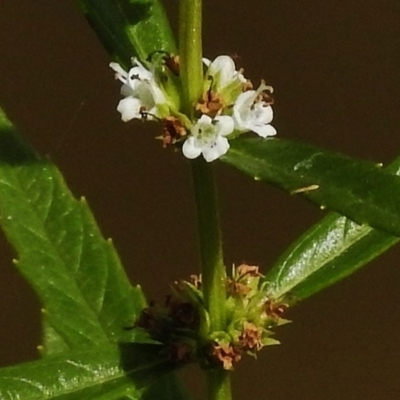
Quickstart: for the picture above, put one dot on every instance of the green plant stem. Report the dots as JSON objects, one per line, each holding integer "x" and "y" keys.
{"x": 219, "y": 384}
{"x": 190, "y": 52}
{"x": 212, "y": 267}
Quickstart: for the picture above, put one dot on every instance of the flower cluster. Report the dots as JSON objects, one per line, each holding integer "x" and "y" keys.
{"x": 179, "y": 324}
{"x": 182, "y": 322}
{"x": 228, "y": 106}
{"x": 251, "y": 314}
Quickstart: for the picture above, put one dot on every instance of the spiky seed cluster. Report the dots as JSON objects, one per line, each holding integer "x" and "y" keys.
{"x": 228, "y": 106}
{"x": 177, "y": 323}
{"x": 182, "y": 323}
{"x": 251, "y": 316}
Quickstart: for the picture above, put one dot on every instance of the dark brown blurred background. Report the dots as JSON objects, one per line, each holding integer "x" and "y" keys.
{"x": 335, "y": 69}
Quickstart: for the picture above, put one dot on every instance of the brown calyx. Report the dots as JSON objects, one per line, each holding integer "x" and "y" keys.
{"x": 173, "y": 131}
{"x": 210, "y": 103}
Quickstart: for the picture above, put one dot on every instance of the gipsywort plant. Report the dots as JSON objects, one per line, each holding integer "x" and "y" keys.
{"x": 101, "y": 338}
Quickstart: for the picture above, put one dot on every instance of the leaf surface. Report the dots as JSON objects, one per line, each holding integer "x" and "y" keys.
{"x": 130, "y": 28}
{"x": 86, "y": 296}
{"x": 360, "y": 190}
{"x": 92, "y": 373}
{"x": 333, "y": 248}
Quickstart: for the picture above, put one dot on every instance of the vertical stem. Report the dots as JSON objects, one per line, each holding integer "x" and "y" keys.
{"x": 212, "y": 266}
{"x": 219, "y": 384}
{"x": 190, "y": 52}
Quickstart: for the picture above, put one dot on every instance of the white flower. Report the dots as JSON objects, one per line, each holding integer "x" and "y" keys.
{"x": 140, "y": 90}
{"x": 208, "y": 138}
{"x": 251, "y": 113}
{"x": 222, "y": 81}
{"x": 223, "y": 71}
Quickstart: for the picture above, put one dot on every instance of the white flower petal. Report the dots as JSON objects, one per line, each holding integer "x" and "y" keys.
{"x": 206, "y": 61}
{"x": 126, "y": 90}
{"x": 204, "y": 119}
{"x": 140, "y": 72}
{"x": 264, "y": 113}
{"x": 144, "y": 92}
{"x": 245, "y": 100}
{"x": 222, "y": 69}
{"x": 252, "y": 114}
{"x": 129, "y": 108}
{"x": 264, "y": 130}
{"x": 208, "y": 138}
{"x": 225, "y": 125}
{"x": 215, "y": 150}
{"x": 120, "y": 74}
{"x": 190, "y": 148}
{"x": 158, "y": 94}
{"x": 141, "y": 92}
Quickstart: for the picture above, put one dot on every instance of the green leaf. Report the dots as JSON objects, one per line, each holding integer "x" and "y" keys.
{"x": 104, "y": 372}
{"x": 331, "y": 250}
{"x": 130, "y": 28}
{"x": 86, "y": 296}
{"x": 328, "y": 252}
{"x": 360, "y": 190}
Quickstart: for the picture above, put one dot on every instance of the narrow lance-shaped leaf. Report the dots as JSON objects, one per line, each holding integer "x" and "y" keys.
{"x": 329, "y": 251}
{"x": 130, "y": 28}
{"x": 86, "y": 296}
{"x": 360, "y": 190}
{"x": 104, "y": 372}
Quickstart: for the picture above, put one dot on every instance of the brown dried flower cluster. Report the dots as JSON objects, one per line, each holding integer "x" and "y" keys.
{"x": 181, "y": 323}
{"x": 249, "y": 340}
{"x": 251, "y": 316}
{"x": 210, "y": 103}
{"x": 175, "y": 324}
{"x": 173, "y": 131}
{"x": 226, "y": 354}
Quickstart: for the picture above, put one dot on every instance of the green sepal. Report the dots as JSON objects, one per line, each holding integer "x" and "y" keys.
{"x": 190, "y": 293}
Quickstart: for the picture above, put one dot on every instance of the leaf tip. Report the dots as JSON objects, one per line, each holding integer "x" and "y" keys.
{"x": 15, "y": 261}
{"x": 322, "y": 207}
{"x": 257, "y": 178}
{"x": 43, "y": 311}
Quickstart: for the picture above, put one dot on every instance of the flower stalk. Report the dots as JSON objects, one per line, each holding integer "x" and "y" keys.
{"x": 190, "y": 52}
{"x": 219, "y": 384}
{"x": 212, "y": 267}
